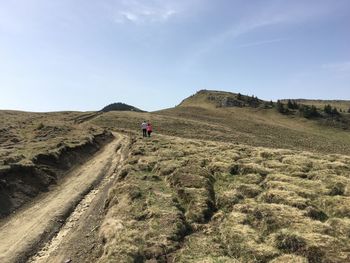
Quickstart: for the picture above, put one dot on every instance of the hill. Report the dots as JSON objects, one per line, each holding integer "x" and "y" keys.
{"x": 218, "y": 99}
{"x": 203, "y": 116}
{"x": 224, "y": 178}
{"x": 120, "y": 107}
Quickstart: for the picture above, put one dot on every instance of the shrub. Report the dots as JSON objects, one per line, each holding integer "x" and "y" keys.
{"x": 328, "y": 109}
{"x": 337, "y": 189}
{"x": 289, "y": 242}
{"x": 335, "y": 112}
{"x": 331, "y": 111}
{"x": 280, "y": 107}
{"x": 234, "y": 169}
{"x": 40, "y": 126}
{"x": 309, "y": 112}
{"x": 316, "y": 214}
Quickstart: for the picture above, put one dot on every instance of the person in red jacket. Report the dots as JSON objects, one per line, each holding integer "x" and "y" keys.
{"x": 149, "y": 129}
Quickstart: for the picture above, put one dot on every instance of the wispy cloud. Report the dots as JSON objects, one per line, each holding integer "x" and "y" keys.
{"x": 341, "y": 67}
{"x": 262, "y": 43}
{"x": 140, "y": 12}
{"x": 268, "y": 15}
{"x": 243, "y": 27}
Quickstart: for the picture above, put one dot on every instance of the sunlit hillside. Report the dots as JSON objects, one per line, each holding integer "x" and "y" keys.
{"x": 215, "y": 116}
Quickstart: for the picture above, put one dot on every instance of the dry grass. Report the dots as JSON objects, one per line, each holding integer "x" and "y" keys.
{"x": 36, "y": 149}
{"x": 256, "y": 127}
{"x": 233, "y": 195}
{"x": 24, "y": 135}
{"x": 228, "y": 203}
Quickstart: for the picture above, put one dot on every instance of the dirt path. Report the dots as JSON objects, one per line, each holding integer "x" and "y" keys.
{"x": 38, "y": 223}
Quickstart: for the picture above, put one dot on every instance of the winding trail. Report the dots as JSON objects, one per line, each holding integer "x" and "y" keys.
{"x": 51, "y": 217}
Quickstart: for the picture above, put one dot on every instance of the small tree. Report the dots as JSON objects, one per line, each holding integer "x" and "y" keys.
{"x": 328, "y": 109}
{"x": 313, "y": 112}
{"x": 308, "y": 112}
{"x": 292, "y": 104}
{"x": 280, "y": 107}
{"x": 271, "y": 104}
{"x": 335, "y": 112}
{"x": 349, "y": 110}
{"x": 295, "y": 105}
{"x": 239, "y": 96}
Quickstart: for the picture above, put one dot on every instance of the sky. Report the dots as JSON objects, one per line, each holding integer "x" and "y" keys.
{"x": 84, "y": 54}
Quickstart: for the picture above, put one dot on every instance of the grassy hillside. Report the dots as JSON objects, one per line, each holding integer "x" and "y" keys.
{"x": 200, "y": 117}
{"x": 217, "y": 99}
{"x": 23, "y": 135}
{"x": 180, "y": 200}
{"x": 225, "y": 178}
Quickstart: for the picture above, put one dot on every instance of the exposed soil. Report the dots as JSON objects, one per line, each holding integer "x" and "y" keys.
{"x": 78, "y": 238}
{"x": 25, "y": 235}
{"x": 19, "y": 183}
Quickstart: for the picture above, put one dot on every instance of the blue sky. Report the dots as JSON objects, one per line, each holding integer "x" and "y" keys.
{"x": 84, "y": 54}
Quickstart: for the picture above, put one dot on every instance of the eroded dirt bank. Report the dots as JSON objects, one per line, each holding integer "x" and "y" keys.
{"x": 37, "y": 222}
{"x": 21, "y": 182}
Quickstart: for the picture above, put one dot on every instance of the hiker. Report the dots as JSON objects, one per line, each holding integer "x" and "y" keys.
{"x": 144, "y": 129}
{"x": 149, "y": 129}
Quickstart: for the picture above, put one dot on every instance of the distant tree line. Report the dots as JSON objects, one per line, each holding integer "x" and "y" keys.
{"x": 309, "y": 111}
{"x": 306, "y": 110}
{"x": 331, "y": 111}
{"x": 292, "y": 107}
{"x": 252, "y": 101}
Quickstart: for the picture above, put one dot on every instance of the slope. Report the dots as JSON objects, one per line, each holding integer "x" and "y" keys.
{"x": 181, "y": 200}
{"x": 213, "y": 115}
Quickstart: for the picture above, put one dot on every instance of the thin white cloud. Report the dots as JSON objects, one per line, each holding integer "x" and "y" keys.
{"x": 259, "y": 18}
{"x": 262, "y": 43}
{"x": 341, "y": 67}
{"x": 141, "y": 12}
{"x": 234, "y": 32}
